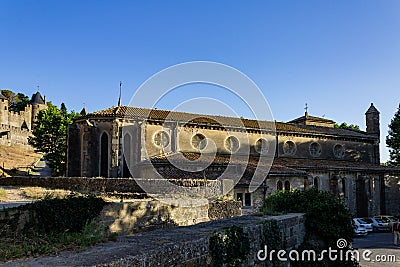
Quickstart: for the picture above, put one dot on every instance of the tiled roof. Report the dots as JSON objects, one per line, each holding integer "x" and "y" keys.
{"x": 212, "y": 120}
{"x": 316, "y": 164}
{"x": 83, "y": 112}
{"x": 311, "y": 129}
{"x": 372, "y": 109}
{"x": 280, "y": 167}
{"x": 219, "y": 160}
{"x": 311, "y": 118}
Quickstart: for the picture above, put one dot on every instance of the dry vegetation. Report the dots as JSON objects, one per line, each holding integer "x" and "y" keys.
{"x": 3, "y": 194}
{"x": 42, "y": 193}
{"x": 16, "y": 160}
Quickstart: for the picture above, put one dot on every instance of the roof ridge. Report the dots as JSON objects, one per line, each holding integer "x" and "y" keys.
{"x": 160, "y": 114}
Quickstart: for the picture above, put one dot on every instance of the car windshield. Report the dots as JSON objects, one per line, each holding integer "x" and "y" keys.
{"x": 383, "y": 220}
{"x": 361, "y": 221}
{"x": 368, "y": 220}
{"x": 392, "y": 219}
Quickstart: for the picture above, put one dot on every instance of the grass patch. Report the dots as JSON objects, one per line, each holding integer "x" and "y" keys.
{"x": 35, "y": 244}
{"x": 3, "y": 194}
{"x": 43, "y": 193}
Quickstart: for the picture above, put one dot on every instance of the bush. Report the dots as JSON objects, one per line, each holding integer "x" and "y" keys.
{"x": 230, "y": 248}
{"x": 327, "y": 218}
{"x": 69, "y": 214}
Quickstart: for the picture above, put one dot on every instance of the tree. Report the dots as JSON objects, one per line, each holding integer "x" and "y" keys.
{"x": 20, "y": 101}
{"x": 346, "y": 126}
{"x": 8, "y": 94}
{"x": 16, "y": 102}
{"x": 50, "y": 136}
{"x": 393, "y": 139}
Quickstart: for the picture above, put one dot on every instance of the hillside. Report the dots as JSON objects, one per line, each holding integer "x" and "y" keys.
{"x": 16, "y": 160}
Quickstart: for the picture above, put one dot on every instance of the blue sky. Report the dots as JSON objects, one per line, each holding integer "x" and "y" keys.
{"x": 337, "y": 56}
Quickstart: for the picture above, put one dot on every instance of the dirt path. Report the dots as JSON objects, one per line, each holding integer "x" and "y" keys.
{"x": 13, "y": 194}
{"x": 14, "y": 197}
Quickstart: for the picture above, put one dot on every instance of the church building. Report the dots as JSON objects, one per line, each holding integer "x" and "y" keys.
{"x": 308, "y": 152}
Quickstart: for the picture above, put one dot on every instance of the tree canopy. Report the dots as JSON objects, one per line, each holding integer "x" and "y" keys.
{"x": 347, "y": 126}
{"x": 393, "y": 139}
{"x": 50, "y": 136}
{"x": 16, "y": 102}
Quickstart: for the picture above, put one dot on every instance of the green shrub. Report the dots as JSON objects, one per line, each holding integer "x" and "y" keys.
{"x": 230, "y": 248}
{"x": 69, "y": 214}
{"x": 327, "y": 218}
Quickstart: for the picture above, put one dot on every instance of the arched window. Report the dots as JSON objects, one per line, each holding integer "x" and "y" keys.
{"x": 316, "y": 183}
{"x": 127, "y": 156}
{"x": 279, "y": 185}
{"x": 104, "y": 155}
{"x": 287, "y": 185}
{"x": 344, "y": 187}
{"x": 306, "y": 184}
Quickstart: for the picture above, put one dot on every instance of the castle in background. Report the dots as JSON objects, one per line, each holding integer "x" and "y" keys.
{"x": 16, "y": 127}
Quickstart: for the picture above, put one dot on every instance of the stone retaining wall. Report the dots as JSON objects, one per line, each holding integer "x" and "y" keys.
{"x": 195, "y": 251}
{"x": 178, "y": 246}
{"x": 140, "y": 215}
{"x": 120, "y": 185}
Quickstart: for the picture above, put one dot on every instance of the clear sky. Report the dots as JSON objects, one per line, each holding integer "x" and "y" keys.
{"x": 337, "y": 56}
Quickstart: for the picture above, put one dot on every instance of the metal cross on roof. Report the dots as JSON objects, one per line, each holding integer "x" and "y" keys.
{"x": 306, "y": 108}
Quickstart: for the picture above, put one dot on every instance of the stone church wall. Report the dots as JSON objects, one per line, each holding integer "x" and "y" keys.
{"x": 392, "y": 194}
{"x": 353, "y": 151}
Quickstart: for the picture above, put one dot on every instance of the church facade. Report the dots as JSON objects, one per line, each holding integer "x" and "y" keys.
{"x": 309, "y": 152}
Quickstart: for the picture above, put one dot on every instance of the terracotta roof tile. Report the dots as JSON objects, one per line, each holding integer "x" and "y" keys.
{"x": 212, "y": 120}
{"x": 316, "y": 164}
{"x": 250, "y": 163}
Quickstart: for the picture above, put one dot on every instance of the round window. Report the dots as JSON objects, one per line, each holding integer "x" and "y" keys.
{"x": 199, "y": 141}
{"x": 161, "y": 139}
{"x": 261, "y": 146}
{"x": 338, "y": 151}
{"x": 232, "y": 144}
{"x": 315, "y": 149}
{"x": 289, "y": 148}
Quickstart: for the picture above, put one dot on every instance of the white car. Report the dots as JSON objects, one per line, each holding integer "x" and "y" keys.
{"x": 360, "y": 221}
{"x": 378, "y": 224}
{"x": 359, "y": 230}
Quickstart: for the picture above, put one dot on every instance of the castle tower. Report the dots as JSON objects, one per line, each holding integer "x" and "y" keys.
{"x": 38, "y": 103}
{"x": 373, "y": 128}
{"x": 372, "y": 120}
{"x": 3, "y": 110}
